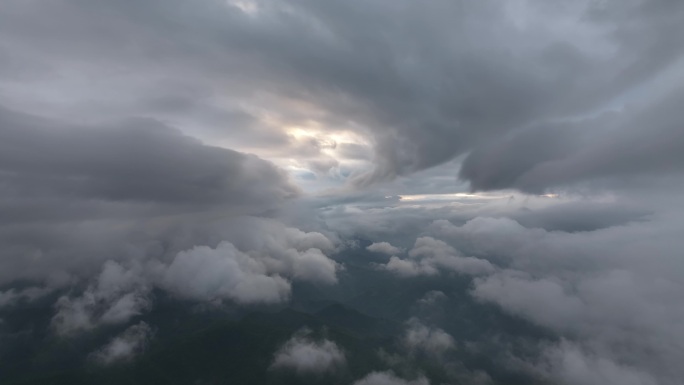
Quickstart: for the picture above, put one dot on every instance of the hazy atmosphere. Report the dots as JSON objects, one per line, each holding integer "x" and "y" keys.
{"x": 378, "y": 192}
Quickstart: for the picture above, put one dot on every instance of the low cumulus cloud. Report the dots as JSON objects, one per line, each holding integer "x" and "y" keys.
{"x": 115, "y": 297}
{"x": 419, "y": 338}
{"x": 389, "y": 378}
{"x": 306, "y": 355}
{"x": 602, "y": 290}
{"x": 428, "y": 256}
{"x": 384, "y": 248}
{"x": 607, "y": 288}
{"x": 205, "y": 274}
{"x": 259, "y": 275}
{"x": 601, "y": 283}
{"x": 126, "y": 346}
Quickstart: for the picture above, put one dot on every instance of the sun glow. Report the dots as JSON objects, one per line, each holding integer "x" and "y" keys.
{"x": 449, "y": 197}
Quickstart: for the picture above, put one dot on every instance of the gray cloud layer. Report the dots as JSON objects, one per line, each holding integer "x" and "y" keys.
{"x": 135, "y": 161}
{"x": 648, "y": 141}
{"x": 427, "y": 82}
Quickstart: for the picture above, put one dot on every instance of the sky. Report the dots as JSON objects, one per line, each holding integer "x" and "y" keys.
{"x": 224, "y": 150}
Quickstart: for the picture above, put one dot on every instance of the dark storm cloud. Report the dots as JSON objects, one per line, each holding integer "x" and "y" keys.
{"x": 428, "y": 81}
{"x": 136, "y": 161}
{"x": 649, "y": 141}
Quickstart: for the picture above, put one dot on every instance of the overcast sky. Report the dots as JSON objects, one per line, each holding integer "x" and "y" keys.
{"x": 535, "y": 146}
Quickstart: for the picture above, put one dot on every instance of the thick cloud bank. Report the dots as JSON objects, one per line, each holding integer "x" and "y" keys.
{"x": 73, "y": 196}
{"x": 533, "y": 90}
{"x": 134, "y": 161}
{"x": 650, "y": 142}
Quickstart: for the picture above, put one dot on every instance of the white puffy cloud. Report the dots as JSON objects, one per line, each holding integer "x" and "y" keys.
{"x": 389, "y": 378}
{"x": 260, "y": 272}
{"x": 384, "y": 248}
{"x": 117, "y": 295}
{"x": 205, "y": 274}
{"x": 305, "y": 355}
{"x": 287, "y": 251}
{"x": 421, "y": 338}
{"x": 125, "y": 346}
{"x": 430, "y": 255}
